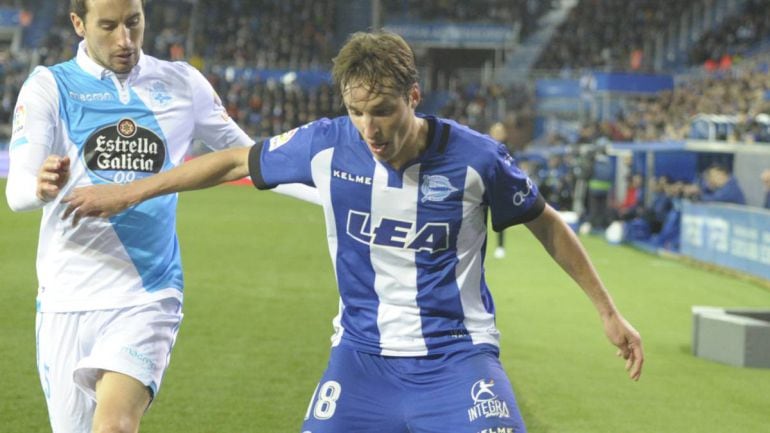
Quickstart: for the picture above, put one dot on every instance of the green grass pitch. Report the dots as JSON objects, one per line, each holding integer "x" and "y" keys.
{"x": 260, "y": 296}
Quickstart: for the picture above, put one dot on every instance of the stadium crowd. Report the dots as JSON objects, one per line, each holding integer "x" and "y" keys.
{"x": 234, "y": 33}
{"x": 736, "y": 35}
{"x": 268, "y": 107}
{"x": 607, "y": 34}
{"x": 672, "y": 115}
{"x": 285, "y": 35}
{"x": 275, "y": 34}
{"x": 523, "y": 13}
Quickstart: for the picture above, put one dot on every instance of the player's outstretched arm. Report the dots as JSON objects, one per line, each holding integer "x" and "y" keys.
{"x": 202, "y": 172}
{"x": 565, "y": 248}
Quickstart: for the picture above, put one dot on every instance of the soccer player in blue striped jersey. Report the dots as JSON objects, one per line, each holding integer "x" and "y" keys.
{"x": 406, "y": 199}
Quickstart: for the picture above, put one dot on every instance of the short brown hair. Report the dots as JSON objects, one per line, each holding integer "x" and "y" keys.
{"x": 80, "y": 8}
{"x": 376, "y": 60}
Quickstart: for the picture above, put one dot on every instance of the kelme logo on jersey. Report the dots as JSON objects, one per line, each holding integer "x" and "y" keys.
{"x": 124, "y": 152}
{"x": 486, "y": 403}
{"x": 389, "y": 232}
{"x": 435, "y": 187}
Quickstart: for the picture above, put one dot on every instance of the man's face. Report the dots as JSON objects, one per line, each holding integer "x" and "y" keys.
{"x": 716, "y": 178}
{"x": 113, "y": 31}
{"x": 766, "y": 178}
{"x": 383, "y": 117}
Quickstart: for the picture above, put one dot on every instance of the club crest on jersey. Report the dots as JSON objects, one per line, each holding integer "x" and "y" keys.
{"x": 486, "y": 403}
{"x": 394, "y": 233}
{"x": 126, "y": 128}
{"x": 123, "y": 152}
{"x": 435, "y": 187}
{"x": 159, "y": 93}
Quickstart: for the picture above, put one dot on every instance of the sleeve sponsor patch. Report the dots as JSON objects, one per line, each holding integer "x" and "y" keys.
{"x": 280, "y": 140}
{"x": 19, "y": 119}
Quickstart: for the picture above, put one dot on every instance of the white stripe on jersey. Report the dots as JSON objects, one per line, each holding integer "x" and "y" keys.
{"x": 321, "y": 169}
{"x": 395, "y": 279}
{"x": 479, "y": 323}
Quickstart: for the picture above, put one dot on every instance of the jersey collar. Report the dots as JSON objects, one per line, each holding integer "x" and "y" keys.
{"x": 98, "y": 71}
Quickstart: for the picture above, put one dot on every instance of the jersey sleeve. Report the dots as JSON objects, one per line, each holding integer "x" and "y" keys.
{"x": 286, "y": 158}
{"x": 213, "y": 125}
{"x": 513, "y": 196}
{"x": 32, "y": 140}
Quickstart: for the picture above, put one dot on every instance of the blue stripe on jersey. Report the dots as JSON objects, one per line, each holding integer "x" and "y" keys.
{"x": 351, "y": 203}
{"x": 442, "y": 182}
{"x": 147, "y": 230}
{"x": 18, "y": 142}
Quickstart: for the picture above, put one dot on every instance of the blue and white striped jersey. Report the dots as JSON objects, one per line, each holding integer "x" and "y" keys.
{"x": 407, "y": 245}
{"x": 113, "y": 132}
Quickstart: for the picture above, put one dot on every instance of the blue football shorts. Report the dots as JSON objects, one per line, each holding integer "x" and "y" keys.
{"x": 456, "y": 392}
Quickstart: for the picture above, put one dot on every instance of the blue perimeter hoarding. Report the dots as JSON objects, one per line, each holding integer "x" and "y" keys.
{"x": 732, "y": 236}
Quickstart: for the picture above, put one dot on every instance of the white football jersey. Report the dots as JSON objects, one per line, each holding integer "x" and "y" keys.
{"x": 114, "y": 130}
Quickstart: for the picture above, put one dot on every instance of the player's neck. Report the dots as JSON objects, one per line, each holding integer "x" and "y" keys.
{"x": 415, "y": 144}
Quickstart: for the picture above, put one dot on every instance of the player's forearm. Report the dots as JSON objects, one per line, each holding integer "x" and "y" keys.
{"x": 573, "y": 258}
{"x": 565, "y": 248}
{"x": 20, "y": 192}
{"x": 199, "y": 173}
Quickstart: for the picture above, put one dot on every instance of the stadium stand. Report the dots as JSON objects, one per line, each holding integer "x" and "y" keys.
{"x": 521, "y": 13}
{"x": 269, "y": 61}
{"x": 604, "y": 34}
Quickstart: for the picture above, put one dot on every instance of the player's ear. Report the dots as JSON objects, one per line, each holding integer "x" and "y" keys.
{"x": 78, "y": 24}
{"x": 414, "y": 96}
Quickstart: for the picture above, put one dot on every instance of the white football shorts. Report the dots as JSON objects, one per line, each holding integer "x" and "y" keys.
{"x": 73, "y": 347}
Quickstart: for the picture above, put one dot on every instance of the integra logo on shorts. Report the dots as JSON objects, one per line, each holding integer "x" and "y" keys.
{"x": 486, "y": 403}
{"x": 124, "y": 147}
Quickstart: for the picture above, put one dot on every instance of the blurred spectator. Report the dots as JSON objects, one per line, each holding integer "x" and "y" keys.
{"x": 557, "y": 183}
{"x": 633, "y": 201}
{"x": 599, "y": 187}
{"x": 669, "y": 235}
{"x": 766, "y": 180}
{"x": 718, "y": 185}
{"x": 661, "y": 204}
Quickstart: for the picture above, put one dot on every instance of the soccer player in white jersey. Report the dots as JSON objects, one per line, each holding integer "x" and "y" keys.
{"x": 110, "y": 291}
{"x": 406, "y": 199}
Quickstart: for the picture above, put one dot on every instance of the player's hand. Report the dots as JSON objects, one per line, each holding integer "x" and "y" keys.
{"x": 628, "y": 342}
{"x": 52, "y": 177}
{"x": 101, "y": 201}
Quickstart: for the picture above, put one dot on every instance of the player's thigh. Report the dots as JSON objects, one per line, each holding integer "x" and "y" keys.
{"x": 474, "y": 396}
{"x": 122, "y": 401}
{"x": 355, "y": 395}
{"x": 59, "y": 348}
{"x": 135, "y": 341}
